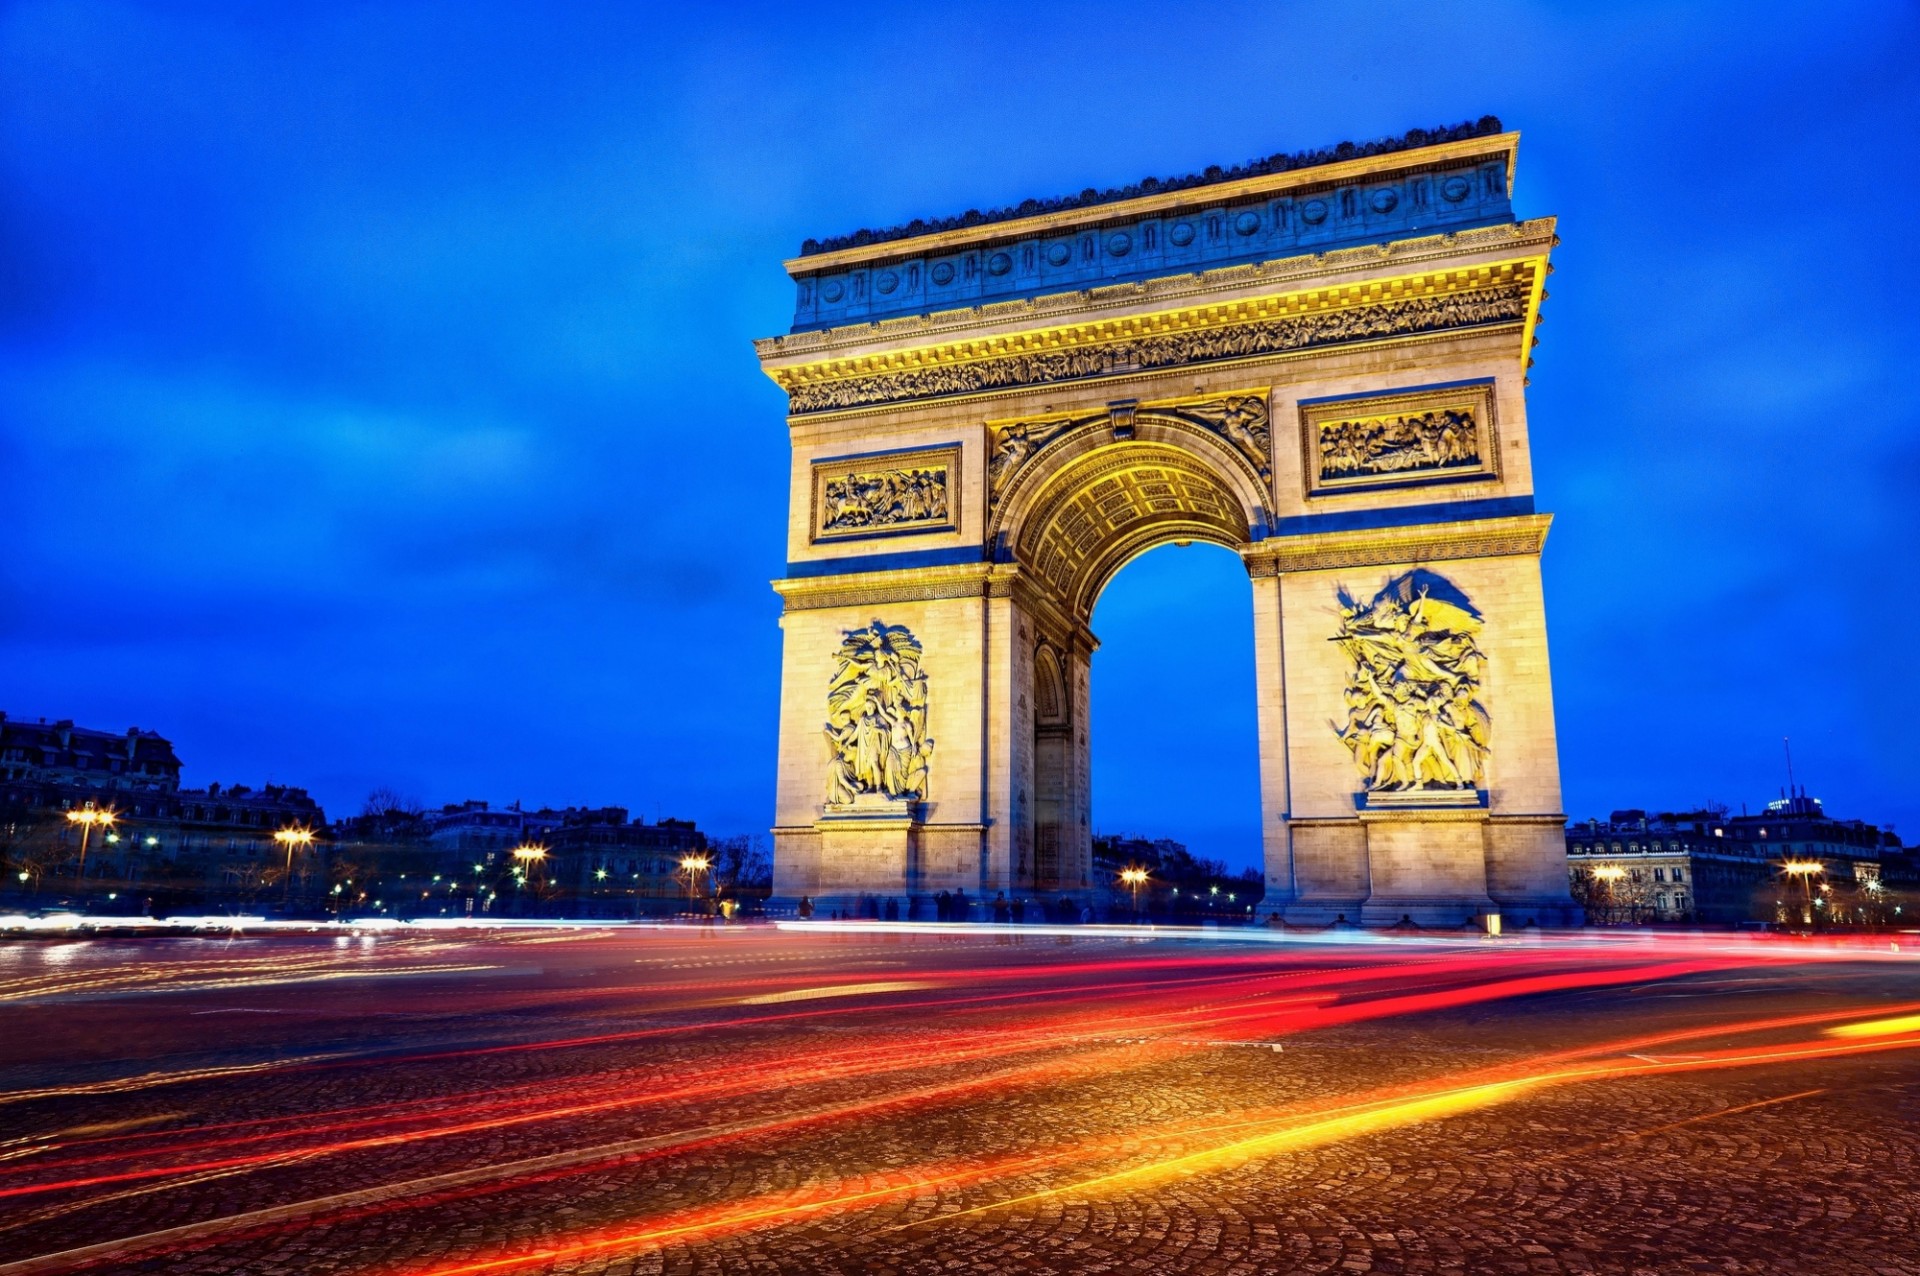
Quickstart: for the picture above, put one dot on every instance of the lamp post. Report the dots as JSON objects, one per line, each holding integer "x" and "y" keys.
{"x": 87, "y": 818}
{"x": 529, "y": 857}
{"x": 1806, "y": 871}
{"x": 1135, "y": 878}
{"x": 695, "y": 867}
{"x": 1608, "y": 874}
{"x": 293, "y": 837}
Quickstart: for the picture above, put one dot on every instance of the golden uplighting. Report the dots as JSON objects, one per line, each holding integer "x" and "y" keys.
{"x": 529, "y": 854}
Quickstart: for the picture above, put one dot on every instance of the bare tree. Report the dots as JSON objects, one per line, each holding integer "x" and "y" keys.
{"x": 742, "y": 866}
{"x": 386, "y": 803}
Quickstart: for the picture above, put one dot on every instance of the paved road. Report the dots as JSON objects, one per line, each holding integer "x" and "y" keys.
{"x": 760, "y": 1101}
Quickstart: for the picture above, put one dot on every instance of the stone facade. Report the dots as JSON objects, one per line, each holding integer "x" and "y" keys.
{"x": 1351, "y": 421}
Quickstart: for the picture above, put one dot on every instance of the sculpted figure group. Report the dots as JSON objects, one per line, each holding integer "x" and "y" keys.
{"x": 1413, "y": 721}
{"x": 883, "y": 498}
{"x": 877, "y": 716}
{"x": 1389, "y": 444}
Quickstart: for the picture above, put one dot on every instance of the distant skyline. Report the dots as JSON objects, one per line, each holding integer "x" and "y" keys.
{"x": 377, "y": 408}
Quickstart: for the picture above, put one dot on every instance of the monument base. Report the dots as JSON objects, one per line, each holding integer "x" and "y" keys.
{"x": 1427, "y": 866}
{"x": 870, "y": 841}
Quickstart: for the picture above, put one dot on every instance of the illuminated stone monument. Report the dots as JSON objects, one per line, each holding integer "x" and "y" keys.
{"x": 1317, "y": 361}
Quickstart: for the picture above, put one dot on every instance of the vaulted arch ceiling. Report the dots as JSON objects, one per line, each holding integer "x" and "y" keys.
{"x": 1120, "y": 501}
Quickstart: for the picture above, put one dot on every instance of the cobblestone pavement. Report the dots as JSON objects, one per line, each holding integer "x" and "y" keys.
{"x": 659, "y": 1101}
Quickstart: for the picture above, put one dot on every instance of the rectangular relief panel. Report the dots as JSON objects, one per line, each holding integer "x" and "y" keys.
{"x": 1401, "y": 438}
{"x": 886, "y": 494}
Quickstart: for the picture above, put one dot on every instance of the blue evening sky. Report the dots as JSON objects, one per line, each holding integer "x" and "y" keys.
{"x": 376, "y": 402}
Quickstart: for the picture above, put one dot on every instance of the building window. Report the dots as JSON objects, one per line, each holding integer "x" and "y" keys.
{"x": 1659, "y": 874}
{"x": 1678, "y": 876}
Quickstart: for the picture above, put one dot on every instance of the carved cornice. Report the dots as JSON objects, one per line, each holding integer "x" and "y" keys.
{"x": 1336, "y": 163}
{"x": 1425, "y": 815}
{"x": 868, "y": 588}
{"x": 1482, "y": 297}
{"x": 1392, "y": 546}
{"x": 1532, "y": 238}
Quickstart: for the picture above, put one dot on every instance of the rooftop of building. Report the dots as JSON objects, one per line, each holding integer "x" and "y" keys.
{"x": 1284, "y": 162}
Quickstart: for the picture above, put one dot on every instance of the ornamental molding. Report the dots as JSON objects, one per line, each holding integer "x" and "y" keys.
{"x": 1389, "y": 547}
{"x": 985, "y": 581}
{"x": 1531, "y": 240}
{"x": 1279, "y": 325}
{"x": 856, "y": 588}
{"x": 1420, "y": 149}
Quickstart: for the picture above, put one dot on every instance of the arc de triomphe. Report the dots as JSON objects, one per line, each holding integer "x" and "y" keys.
{"x": 1317, "y": 361}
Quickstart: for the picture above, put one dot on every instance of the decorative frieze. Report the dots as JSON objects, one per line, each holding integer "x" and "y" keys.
{"x": 1422, "y": 435}
{"x": 1401, "y": 317}
{"x": 886, "y": 494}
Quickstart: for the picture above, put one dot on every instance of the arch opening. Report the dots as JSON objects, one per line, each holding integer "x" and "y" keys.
{"x": 1105, "y": 503}
{"x": 1176, "y": 741}
{"x": 1093, "y": 503}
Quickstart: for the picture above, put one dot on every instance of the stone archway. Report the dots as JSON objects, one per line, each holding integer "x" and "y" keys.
{"x": 1013, "y": 408}
{"x": 1091, "y": 496}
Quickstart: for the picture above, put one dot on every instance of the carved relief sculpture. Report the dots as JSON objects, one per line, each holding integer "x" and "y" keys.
{"x": 1414, "y": 722}
{"x": 1240, "y": 418}
{"x": 1014, "y": 442}
{"x": 907, "y": 492}
{"x": 1414, "y": 436}
{"x": 877, "y": 717}
{"x": 1433, "y": 440}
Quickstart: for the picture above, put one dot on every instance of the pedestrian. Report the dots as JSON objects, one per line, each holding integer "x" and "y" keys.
{"x": 943, "y": 907}
{"x": 1019, "y": 911}
{"x": 1001, "y": 913}
{"x": 959, "y": 905}
{"x": 806, "y": 908}
{"x": 893, "y": 909}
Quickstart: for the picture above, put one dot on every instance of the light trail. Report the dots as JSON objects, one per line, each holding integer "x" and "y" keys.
{"x": 1438, "y": 1101}
{"x": 1062, "y": 1027}
{"x": 869, "y": 1062}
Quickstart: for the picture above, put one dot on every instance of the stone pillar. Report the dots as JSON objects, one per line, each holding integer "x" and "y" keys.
{"x": 1276, "y": 812}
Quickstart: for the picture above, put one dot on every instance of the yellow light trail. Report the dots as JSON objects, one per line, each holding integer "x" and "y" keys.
{"x": 835, "y": 990}
{"x": 1298, "y": 1132}
{"x": 1877, "y": 1027}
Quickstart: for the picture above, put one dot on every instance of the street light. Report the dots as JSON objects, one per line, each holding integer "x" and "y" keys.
{"x": 87, "y": 818}
{"x": 1608, "y": 874}
{"x": 1806, "y": 871}
{"x": 527, "y": 857}
{"x": 293, "y": 837}
{"x": 1134, "y": 878}
{"x": 694, "y": 866}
